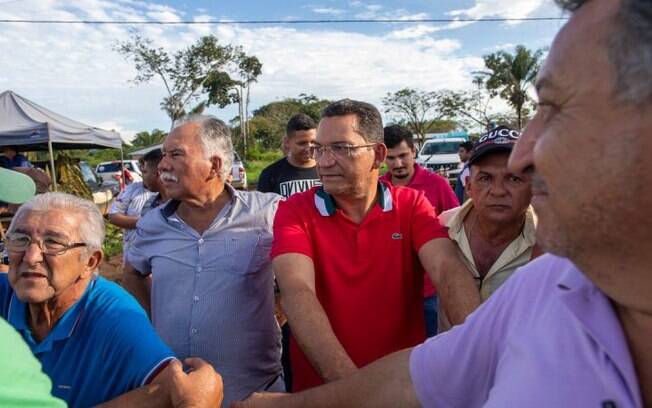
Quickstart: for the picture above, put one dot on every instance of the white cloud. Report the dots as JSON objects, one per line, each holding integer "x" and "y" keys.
{"x": 126, "y": 134}
{"x": 501, "y": 47}
{"x": 500, "y": 8}
{"x": 376, "y": 11}
{"x": 328, "y": 10}
{"x": 72, "y": 69}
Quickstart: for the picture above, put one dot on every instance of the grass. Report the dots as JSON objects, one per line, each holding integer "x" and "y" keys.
{"x": 255, "y": 165}
{"x": 112, "y": 241}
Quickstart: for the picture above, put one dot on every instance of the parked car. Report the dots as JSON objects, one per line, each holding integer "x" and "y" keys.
{"x": 96, "y": 183}
{"x": 238, "y": 176}
{"x": 111, "y": 170}
{"x": 439, "y": 155}
{"x": 104, "y": 191}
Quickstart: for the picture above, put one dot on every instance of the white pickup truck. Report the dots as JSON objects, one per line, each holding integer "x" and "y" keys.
{"x": 439, "y": 155}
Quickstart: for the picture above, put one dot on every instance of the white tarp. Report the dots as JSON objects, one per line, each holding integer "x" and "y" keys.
{"x": 22, "y": 122}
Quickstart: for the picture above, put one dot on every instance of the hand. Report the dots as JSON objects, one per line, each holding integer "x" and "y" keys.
{"x": 201, "y": 387}
{"x": 263, "y": 400}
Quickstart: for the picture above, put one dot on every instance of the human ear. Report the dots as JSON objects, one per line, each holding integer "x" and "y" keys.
{"x": 92, "y": 262}
{"x": 380, "y": 154}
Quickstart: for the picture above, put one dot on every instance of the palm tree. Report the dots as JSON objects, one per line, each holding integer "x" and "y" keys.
{"x": 510, "y": 76}
{"x": 144, "y": 139}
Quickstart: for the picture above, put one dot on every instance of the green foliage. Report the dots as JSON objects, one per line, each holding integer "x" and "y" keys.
{"x": 202, "y": 74}
{"x": 269, "y": 156}
{"x": 510, "y": 76}
{"x": 145, "y": 139}
{"x": 267, "y": 126}
{"x": 254, "y": 167}
{"x": 113, "y": 241}
{"x": 416, "y": 109}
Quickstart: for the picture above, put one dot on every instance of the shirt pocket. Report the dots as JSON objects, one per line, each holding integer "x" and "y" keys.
{"x": 249, "y": 252}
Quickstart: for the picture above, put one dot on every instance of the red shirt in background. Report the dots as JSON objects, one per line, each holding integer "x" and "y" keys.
{"x": 440, "y": 194}
{"x": 368, "y": 276}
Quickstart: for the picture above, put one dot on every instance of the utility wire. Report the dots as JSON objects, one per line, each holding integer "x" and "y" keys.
{"x": 270, "y": 22}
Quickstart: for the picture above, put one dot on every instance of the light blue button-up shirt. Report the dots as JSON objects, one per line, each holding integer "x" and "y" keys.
{"x": 212, "y": 293}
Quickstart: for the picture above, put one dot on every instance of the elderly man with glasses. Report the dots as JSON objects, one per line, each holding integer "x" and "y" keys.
{"x": 349, "y": 256}
{"x": 92, "y": 339}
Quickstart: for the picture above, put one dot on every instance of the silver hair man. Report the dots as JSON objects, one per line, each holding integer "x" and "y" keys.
{"x": 215, "y": 137}
{"x": 207, "y": 249}
{"x": 91, "y": 225}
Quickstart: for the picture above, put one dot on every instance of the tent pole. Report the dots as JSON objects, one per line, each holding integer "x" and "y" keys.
{"x": 54, "y": 172}
{"x": 122, "y": 167}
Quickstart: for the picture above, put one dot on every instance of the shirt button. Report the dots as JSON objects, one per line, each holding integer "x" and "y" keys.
{"x": 193, "y": 331}
{"x": 201, "y": 241}
{"x": 198, "y": 269}
{"x": 196, "y": 298}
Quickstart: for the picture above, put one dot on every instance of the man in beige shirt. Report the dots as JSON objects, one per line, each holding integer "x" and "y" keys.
{"x": 495, "y": 227}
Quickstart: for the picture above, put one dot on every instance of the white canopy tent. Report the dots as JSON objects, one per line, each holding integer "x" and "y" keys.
{"x": 32, "y": 127}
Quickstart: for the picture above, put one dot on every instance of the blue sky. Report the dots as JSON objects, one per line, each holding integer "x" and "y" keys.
{"x": 73, "y": 70}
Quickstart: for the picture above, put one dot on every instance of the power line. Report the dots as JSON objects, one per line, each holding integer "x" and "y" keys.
{"x": 271, "y": 22}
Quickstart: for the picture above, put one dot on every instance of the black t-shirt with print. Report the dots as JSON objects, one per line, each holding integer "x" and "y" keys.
{"x": 283, "y": 178}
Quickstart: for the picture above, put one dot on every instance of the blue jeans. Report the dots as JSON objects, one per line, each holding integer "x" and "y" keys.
{"x": 430, "y": 315}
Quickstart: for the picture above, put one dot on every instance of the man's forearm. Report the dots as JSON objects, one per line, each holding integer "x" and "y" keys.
{"x": 459, "y": 297}
{"x": 152, "y": 395}
{"x": 123, "y": 221}
{"x": 139, "y": 286}
{"x": 458, "y": 293}
{"x": 314, "y": 333}
{"x": 383, "y": 383}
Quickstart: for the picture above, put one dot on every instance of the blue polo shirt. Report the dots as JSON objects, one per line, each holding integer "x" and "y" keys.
{"x": 102, "y": 347}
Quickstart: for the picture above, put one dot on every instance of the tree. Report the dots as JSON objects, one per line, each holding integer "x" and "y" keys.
{"x": 510, "y": 76}
{"x": 248, "y": 70}
{"x": 267, "y": 125}
{"x": 469, "y": 107}
{"x": 417, "y": 109}
{"x": 194, "y": 77}
{"x": 144, "y": 139}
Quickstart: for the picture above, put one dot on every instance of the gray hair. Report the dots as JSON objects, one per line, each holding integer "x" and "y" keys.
{"x": 215, "y": 137}
{"x": 91, "y": 223}
{"x": 630, "y": 49}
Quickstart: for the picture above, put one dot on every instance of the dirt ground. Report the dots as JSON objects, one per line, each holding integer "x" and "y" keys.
{"x": 111, "y": 268}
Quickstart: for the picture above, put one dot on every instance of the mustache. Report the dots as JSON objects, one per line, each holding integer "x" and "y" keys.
{"x": 168, "y": 176}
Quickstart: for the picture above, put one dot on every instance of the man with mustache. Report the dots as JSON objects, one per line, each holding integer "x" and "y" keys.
{"x": 207, "y": 251}
{"x": 573, "y": 327}
{"x": 91, "y": 338}
{"x": 495, "y": 227}
{"x": 402, "y": 170}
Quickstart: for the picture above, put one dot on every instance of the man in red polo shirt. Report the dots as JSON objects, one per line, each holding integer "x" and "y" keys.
{"x": 349, "y": 255}
{"x": 403, "y": 171}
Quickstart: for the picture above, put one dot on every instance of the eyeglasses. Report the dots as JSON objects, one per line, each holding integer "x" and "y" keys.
{"x": 18, "y": 242}
{"x": 337, "y": 150}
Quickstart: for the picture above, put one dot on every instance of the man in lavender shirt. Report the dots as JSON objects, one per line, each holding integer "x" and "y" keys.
{"x": 571, "y": 329}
